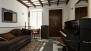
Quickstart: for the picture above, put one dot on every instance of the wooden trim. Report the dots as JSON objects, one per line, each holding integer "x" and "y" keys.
{"x": 40, "y": 3}
{"x": 58, "y": 3}
{"x": 32, "y": 3}
{"x": 49, "y": 2}
{"x": 67, "y": 2}
{"x": 77, "y": 2}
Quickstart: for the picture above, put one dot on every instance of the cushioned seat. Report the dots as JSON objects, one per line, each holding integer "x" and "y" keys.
{"x": 15, "y": 43}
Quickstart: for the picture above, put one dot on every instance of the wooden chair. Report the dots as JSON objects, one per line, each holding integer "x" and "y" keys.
{"x": 35, "y": 32}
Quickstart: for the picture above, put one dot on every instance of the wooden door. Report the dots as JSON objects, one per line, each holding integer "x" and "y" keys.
{"x": 80, "y": 12}
{"x": 55, "y": 22}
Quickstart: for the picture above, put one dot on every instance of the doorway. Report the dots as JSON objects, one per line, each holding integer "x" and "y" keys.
{"x": 55, "y": 22}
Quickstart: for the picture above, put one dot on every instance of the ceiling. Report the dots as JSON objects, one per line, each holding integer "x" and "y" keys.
{"x": 34, "y": 3}
{"x": 82, "y": 3}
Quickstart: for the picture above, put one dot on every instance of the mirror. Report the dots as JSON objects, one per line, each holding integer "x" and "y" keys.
{"x": 81, "y": 9}
{"x": 9, "y": 16}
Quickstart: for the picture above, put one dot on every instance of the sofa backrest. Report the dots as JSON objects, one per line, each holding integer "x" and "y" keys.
{"x": 19, "y": 32}
{"x": 16, "y": 32}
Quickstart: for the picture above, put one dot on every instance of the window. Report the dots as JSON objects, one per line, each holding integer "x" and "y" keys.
{"x": 35, "y": 19}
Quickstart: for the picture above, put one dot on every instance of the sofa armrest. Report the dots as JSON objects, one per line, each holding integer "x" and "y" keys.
{"x": 26, "y": 32}
{"x": 29, "y": 32}
{"x": 16, "y": 32}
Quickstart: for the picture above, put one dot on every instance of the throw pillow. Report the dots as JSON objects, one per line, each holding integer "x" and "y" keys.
{"x": 7, "y": 36}
{"x": 24, "y": 31}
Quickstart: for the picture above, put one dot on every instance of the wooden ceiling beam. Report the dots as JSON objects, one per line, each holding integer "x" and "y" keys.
{"x": 32, "y": 3}
{"x": 40, "y": 3}
{"x": 23, "y": 3}
{"x": 58, "y": 3}
{"x": 49, "y": 2}
{"x": 67, "y": 2}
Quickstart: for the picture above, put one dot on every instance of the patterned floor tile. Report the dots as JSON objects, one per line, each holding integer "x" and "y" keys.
{"x": 56, "y": 45}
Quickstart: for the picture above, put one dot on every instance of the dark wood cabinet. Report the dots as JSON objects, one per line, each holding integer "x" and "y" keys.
{"x": 44, "y": 32}
{"x": 80, "y": 12}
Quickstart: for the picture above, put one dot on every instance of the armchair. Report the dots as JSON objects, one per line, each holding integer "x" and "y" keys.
{"x": 36, "y": 32}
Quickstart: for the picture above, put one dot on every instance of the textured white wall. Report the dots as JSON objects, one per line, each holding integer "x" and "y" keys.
{"x": 13, "y": 5}
{"x": 71, "y": 9}
{"x": 45, "y": 18}
{"x": 68, "y": 12}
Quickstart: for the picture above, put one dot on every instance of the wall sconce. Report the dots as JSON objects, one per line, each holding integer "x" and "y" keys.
{"x": 22, "y": 13}
{"x": 71, "y": 8}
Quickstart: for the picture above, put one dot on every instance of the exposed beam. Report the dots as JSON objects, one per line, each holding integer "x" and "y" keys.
{"x": 49, "y": 2}
{"x": 31, "y": 3}
{"x": 40, "y": 3}
{"x": 23, "y": 3}
{"x": 87, "y": 1}
{"x": 58, "y": 3}
{"x": 67, "y": 2}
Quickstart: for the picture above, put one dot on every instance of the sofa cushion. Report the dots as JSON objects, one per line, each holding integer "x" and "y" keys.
{"x": 7, "y": 36}
{"x": 16, "y": 32}
{"x": 15, "y": 42}
{"x": 24, "y": 31}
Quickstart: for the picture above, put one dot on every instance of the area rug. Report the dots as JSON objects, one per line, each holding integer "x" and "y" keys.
{"x": 33, "y": 46}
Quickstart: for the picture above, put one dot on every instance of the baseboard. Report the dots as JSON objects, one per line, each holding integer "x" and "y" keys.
{"x": 54, "y": 37}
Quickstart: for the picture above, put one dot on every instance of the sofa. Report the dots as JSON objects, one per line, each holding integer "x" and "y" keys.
{"x": 20, "y": 38}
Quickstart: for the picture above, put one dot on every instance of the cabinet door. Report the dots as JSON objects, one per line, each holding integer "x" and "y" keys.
{"x": 80, "y": 12}
{"x": 44, "y": 32}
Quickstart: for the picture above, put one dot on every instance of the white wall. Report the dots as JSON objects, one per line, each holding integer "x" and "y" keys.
{"x": 45, "y": 18}
{"x": 68, "y": 12}
{"x": 65, "y": 14}
{"x": 71, "y": 9}
{"x": 13, "y": 5}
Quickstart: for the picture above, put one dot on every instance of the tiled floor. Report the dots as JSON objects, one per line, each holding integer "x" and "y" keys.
{"x": 56, "y": 46}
